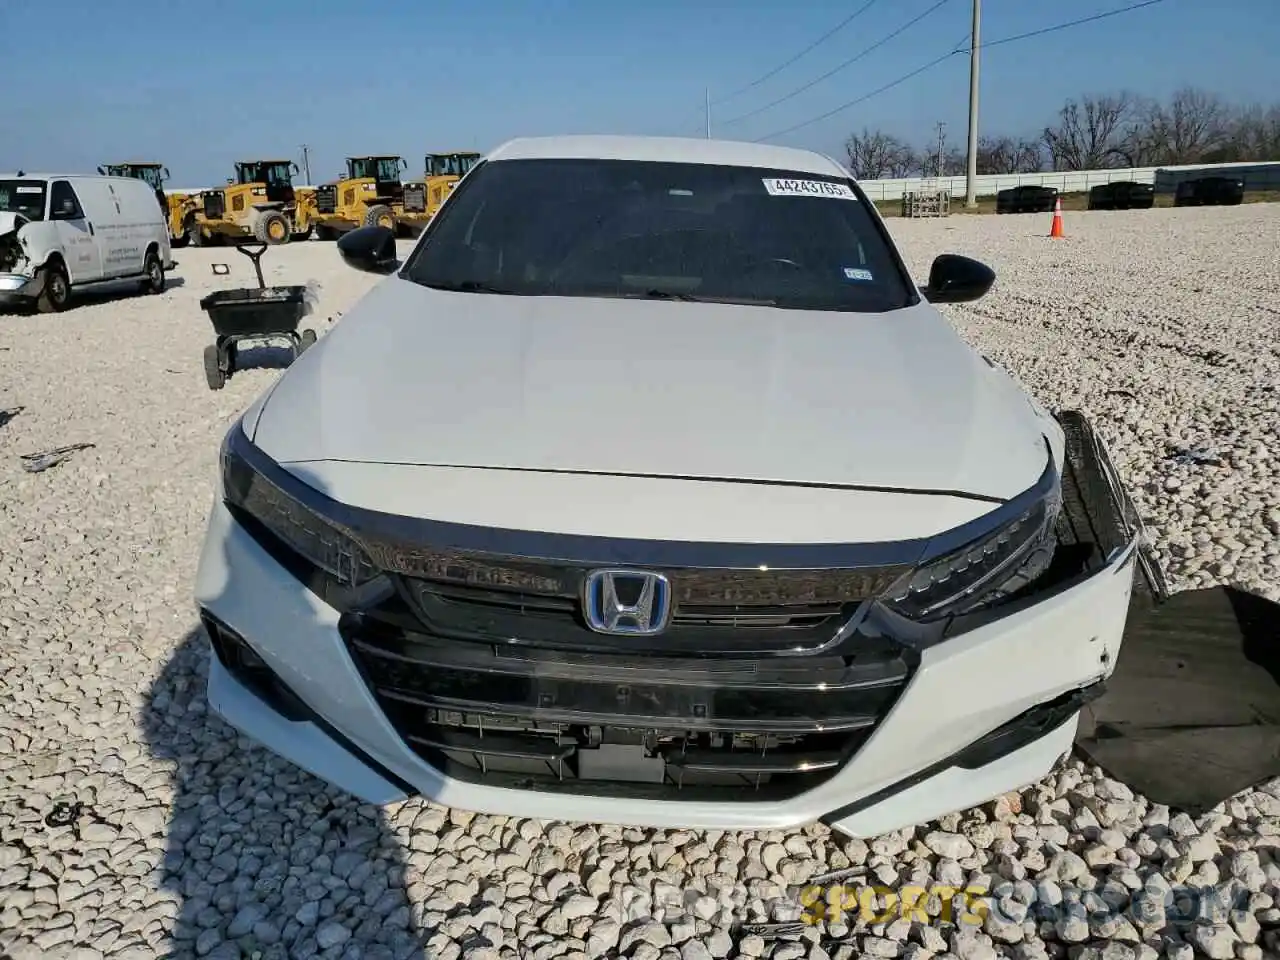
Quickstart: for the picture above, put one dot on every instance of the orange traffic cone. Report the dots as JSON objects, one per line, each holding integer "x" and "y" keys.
{"x": 1056, "y": 230}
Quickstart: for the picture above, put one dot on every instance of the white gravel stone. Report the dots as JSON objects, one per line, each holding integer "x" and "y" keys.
{"x": 195, "y": 841}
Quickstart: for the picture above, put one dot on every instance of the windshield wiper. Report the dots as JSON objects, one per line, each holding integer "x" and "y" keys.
{"x": 468, "y": 286}
{"x": 694, "y": 298}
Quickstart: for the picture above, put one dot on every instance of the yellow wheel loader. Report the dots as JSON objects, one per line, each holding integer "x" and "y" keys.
{"x": 443, "y": 171}
{"x": 176, "y": 204}
{"x": 369, "y": 193}
{"x": 259, "y": 202}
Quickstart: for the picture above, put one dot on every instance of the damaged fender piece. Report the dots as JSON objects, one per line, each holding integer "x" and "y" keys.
{"x": 1191, "y": 715}
{"x": 13, "y": 259}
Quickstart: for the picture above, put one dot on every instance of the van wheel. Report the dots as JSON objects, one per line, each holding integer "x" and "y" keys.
{"x": 57, "y": 290}
{"x": 154, "y": 281}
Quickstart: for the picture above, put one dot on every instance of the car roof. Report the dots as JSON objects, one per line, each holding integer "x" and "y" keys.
{"x": 43, "y": 175}
{"x": 731, "y": 153}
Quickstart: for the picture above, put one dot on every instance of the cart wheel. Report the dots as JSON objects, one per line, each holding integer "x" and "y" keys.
{"x": 307, "y": 339}
{"x": 212, "y": 371}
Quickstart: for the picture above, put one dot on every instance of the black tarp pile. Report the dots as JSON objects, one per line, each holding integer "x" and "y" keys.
{"x": 1191, "y": 715}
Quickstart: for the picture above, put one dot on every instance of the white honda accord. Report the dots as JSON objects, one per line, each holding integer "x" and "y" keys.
{"x": 649, "y": 489}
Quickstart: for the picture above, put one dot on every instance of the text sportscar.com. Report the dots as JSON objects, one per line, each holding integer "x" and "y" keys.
{"x": 849, "y": 903}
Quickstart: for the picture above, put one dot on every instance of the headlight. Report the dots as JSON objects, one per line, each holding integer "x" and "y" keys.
{"x": 987, "y": 569}
{"x": 253, "y": 485}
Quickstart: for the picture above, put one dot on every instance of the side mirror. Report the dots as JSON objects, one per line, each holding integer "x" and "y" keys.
{"x": 372, "y": 249}
{"x": 164, "y": 173}
{"x": 102, "y": 171}
{"x": 957, "y": 279}
{"x": 295, "y": 167}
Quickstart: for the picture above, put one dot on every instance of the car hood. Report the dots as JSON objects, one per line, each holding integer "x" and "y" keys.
{"x": 895, "y": 401}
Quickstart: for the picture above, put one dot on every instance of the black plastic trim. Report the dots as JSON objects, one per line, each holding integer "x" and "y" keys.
{"x": 1023, "y": 730}
{"x": 296, "y": 710}
{"x": 387, "y": 537}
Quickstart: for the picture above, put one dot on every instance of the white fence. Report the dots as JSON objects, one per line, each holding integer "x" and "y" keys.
{"x": 1256, "y": 176}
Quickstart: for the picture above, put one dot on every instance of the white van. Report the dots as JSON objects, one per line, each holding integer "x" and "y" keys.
{"x": 65, "y": 232}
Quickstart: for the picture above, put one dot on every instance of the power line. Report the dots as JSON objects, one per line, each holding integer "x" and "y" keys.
{"x": 933, "y": 63}
{"x": 841, "y": 66}
{"x": 782, "y": 66}
{"x": 1072, "y": 23}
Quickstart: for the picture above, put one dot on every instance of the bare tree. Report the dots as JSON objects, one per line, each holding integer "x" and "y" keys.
{"x": 1097, "y": 131}
{"x": 875, "y": 155}
{"x": 1253, "y": 134}
{"x": 1007, "y": 155}
{"x": 1089, "y": 132}
{"x": 953, "y": 162}
{"x": 1192, "y": 125}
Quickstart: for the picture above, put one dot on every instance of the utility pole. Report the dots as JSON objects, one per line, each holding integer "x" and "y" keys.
{"x": 942, "y": 139}
{"x": 708, "y": 113}
{"x": 306, "y": 164}
{"x": 971, "y": 175}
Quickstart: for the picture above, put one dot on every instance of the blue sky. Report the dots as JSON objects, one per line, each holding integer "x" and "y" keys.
{"x": 197, "y": 84}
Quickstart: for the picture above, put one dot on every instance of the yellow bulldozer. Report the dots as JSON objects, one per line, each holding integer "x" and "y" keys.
{"x": 177, "y": 205}
{"x": 369, "y": 193}
{"x": 443, "y": 171}
{"x": 259, "y": 202}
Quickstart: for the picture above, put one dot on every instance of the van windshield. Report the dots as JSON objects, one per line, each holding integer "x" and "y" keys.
{"x": 23, "y": 196}
{"x": 661, "y": 230}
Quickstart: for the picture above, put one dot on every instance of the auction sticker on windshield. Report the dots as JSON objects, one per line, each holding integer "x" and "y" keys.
{"x": 778, "y": 187}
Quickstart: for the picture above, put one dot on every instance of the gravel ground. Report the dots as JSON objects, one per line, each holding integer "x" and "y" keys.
{"x": 133, "y": 824}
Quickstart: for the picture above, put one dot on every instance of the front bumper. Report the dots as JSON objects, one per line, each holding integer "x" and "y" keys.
{"x": 18, "y": 286}
{"x": 983, "y": 712}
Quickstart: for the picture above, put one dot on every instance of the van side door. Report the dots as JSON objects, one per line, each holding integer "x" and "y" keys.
{"x": 75, "y": 234}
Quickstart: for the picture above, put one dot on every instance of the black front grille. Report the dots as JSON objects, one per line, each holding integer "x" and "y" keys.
{"x": 327, "y": 198}
{"x": 616, "y": 721}
{"x": 415, "y": 197}
{"x": 715, "y": 612}
{"x": 215, "y": 204}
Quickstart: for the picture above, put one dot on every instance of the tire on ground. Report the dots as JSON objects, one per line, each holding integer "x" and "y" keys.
{"x": 212, "y": 371}
{"x": 272, "y": 227}
{"x": 153, "y": 280}
{"x": 380, "y": 215}
{"x": 56, "y": 291}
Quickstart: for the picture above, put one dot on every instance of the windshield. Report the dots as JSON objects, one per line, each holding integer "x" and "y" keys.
{"x": 23, "y": 196}
{"x": 375, "y": 168}
{"x": 274, "y": 174}
{"x": 450, "y": 164}
{"x": 150, "y": 175}
{"x": 621, "y": 228}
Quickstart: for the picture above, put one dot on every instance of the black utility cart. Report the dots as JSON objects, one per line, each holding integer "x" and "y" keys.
{"x": 248, "y": 313}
